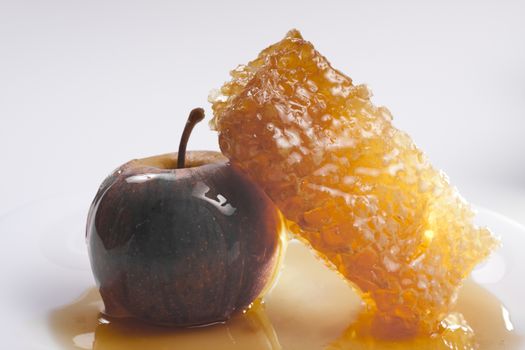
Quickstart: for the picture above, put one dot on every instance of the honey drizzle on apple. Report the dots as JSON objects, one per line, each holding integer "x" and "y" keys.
{"x": 196, "y": 115}
{"x": 310, "y": 308}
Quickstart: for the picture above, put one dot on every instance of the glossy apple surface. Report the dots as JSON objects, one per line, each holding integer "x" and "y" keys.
{"x": 182, "y": 247}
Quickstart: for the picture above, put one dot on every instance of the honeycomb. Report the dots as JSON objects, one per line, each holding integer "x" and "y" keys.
{"x": 352, "y": 186}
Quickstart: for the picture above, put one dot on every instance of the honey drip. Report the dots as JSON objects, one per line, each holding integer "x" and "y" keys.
{"x": 310, "y": 308}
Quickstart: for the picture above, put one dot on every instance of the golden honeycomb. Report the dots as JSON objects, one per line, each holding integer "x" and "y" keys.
{"x": 352, "y": 186}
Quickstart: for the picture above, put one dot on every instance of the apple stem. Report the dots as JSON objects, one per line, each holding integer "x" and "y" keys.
{"x": 196, "y": 115}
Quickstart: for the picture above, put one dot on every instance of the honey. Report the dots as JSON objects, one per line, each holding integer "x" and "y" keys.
{"x": 354, "y": 187}
{"x": 310, "y": 308}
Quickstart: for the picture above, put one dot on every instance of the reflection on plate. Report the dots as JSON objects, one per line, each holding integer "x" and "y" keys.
{"x": 310, "y": 308}
{"x": 45, "y": 266}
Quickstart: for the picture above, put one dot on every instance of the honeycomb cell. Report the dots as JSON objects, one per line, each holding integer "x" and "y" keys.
{"x": 352, "y": 186}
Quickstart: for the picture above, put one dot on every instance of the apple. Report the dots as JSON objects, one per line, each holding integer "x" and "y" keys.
{"x": 182, "y": 240}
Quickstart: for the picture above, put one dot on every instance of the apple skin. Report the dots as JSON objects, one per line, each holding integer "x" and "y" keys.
{"x": 182, "y": 247}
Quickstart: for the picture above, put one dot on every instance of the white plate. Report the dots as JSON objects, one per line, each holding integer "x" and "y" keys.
{"x": 44, "y": 265}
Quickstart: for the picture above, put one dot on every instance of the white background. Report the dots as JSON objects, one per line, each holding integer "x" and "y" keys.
{"x": 88, "y": 85}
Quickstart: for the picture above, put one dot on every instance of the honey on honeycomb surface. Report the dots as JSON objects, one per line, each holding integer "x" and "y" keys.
{"x": 352, "y": 186}
{"x": 454, "y": 333}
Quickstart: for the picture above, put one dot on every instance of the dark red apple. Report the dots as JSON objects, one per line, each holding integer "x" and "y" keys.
{"x": 185, "y": 245}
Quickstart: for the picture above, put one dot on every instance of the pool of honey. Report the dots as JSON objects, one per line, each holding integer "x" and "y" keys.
{"x": 310, "y": 308}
